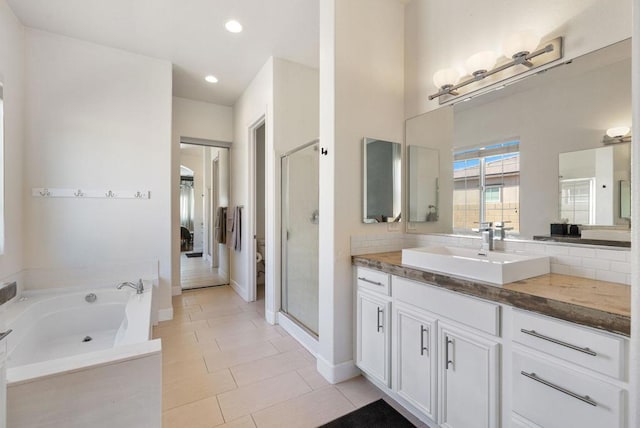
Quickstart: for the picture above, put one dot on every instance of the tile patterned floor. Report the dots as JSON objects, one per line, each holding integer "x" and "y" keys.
{"x": 195, "y": 272}
{"x": 224, "y": 366}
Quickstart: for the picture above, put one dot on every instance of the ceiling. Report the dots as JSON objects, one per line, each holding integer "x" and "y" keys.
{"x": 190, "y": 34}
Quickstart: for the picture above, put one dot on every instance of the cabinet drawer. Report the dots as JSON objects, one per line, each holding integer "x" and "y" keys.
{"x": 373, "y": 280}
{"x": 484, "y": 316}
{"x": 596, "y": 351}
{"x": 551, "y": 396}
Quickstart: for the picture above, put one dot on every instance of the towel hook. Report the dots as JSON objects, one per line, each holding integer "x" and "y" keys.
{"x": 45, "y": 193}
{"x": 110, "y": 194}
{"x": 78, "y": 194}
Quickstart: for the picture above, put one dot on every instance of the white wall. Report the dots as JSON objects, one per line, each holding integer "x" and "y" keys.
{"x": 285, "y": 94}
{"x": 362, "y": 88}
{"x": 12, "y": 78}
{"x": 195, "y": 119}
{"x": 97, "y": 118}
{"x": 433, "y": 43}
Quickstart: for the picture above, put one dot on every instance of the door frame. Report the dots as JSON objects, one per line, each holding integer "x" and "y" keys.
{"x": 252, "y": 283}
{"x": 215, "y": 197}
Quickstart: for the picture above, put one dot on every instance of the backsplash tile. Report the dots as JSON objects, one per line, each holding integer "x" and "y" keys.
{"x": 611, "y": 265}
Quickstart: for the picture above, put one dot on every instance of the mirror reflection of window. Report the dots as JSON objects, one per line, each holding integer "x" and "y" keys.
{"x": 577, "y": 200}
{"x": 487, "y": 186}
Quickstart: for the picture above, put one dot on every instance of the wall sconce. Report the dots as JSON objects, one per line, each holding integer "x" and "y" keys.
{"x": 519, "y": 49}
{"x": 618, "y": 134}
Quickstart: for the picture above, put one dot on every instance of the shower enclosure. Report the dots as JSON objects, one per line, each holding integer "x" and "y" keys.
{"x": 300, "y": 217}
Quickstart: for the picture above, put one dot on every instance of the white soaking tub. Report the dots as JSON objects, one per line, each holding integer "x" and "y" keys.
{"x": 73, "y": 362}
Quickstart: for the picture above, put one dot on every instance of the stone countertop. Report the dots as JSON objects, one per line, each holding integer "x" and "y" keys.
{"x": 597, "y": 304}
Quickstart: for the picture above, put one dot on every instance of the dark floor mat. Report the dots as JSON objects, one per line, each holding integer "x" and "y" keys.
{"x": 378, "y": 414}
{"x": 194, "y": 254}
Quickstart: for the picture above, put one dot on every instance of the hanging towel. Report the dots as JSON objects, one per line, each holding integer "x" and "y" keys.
{"x": 235, "y": 237}
{"x": 221, "y": 225}
{"x": 229, "y": 234}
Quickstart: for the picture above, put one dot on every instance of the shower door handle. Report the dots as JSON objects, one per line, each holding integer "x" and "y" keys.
{"x": 5, "y": 334}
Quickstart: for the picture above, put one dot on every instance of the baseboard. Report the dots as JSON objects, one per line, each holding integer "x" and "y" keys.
{"x": 337, "y": 373}
{"x": 165, "y": 314}
{"x": 298, "y": 333}
{"x": 271, "y": 317}
{"x": 239, "y": 290}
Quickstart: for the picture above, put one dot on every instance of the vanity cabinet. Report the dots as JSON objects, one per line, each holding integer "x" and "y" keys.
{"x": 373, "y": 325}
{"x": 415, "y": 356}
{"x": 468, "y": 379}
{"x": 445, "y": 363}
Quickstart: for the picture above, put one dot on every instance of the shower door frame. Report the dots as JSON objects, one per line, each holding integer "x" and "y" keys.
{"x": 284, "y": 211}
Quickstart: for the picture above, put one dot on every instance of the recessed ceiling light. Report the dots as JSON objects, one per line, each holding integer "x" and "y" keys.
{"x": 233, "y": 26}
{"x": 211, "y": 79}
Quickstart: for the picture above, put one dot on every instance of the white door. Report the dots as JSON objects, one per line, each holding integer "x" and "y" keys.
{"x": 415, "y": 357}
{"x": 468, "y": 379}
{"x": 373, "y": 336}
{"x": 3, "y": 379}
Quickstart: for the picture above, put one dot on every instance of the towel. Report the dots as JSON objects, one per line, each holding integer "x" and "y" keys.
{"x": 221, "y": 225}
{"x": 235, "y": 237}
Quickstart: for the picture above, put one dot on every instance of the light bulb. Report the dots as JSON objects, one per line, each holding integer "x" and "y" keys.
{"x": 522, "y": 42}
{"x": 233, "y": 26}
{"x": 446, "y": 77}
{"x": 618, "y": 131}
{"x": 211, "y": 79}
{"x": 481, "y": 62}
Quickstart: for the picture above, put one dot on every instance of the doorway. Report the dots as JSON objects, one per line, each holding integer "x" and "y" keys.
{"x": 204, "y": 198}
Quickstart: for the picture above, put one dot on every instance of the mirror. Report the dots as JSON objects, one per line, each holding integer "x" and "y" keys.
{"x": 423, "y": 172}
{"x": 382, "y": 181}
{"x": 564, "y": 109}
{"x": 591, "y": 185}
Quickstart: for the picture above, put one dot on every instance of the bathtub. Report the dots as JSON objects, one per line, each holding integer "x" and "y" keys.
{"x": 75, "y": 363}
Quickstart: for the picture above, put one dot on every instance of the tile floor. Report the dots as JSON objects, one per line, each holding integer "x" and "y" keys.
{"x": 195, "y": 272}
{"x": 224, "y": 366}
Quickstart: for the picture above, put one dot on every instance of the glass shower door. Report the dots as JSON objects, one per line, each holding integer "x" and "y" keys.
{"x": 300, "y": 216}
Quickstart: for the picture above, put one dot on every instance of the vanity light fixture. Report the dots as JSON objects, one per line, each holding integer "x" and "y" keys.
{"x": 211, "y": 79}
{"x": 519, "y": 49}
{"x": 233, "y": 26}
{"x": 618, "y": 134}
{"x": 478, "y": 64}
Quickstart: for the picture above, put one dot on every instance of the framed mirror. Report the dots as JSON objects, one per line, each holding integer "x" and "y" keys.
{"x": 591, "y": 185}
{"x": 423, "y": 183}
{"x": 382, "y": 195}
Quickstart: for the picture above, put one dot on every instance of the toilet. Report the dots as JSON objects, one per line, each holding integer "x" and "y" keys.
{"x": 260, "y": 252}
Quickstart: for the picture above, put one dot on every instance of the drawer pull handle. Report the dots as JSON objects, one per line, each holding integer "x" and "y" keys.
{"x": 380, "y": 311}
{"x": 446, "y": 352}
{"x": 370, "y": 282}
{"x": 5, "y": 334}
{"x": 584, "y": 398}
{"x": 558, "y": 342}
{"x": 422, "y": 347}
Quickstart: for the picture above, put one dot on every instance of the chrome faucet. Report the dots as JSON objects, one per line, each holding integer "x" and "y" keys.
{"x": 487, "y": 237}
{"x": 501, "y": 229}
{"x": 139, "y": 286}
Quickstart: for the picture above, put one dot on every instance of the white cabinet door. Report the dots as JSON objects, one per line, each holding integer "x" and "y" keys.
{"x": 373, "y": 336}
{"x": 414, "y": 357}
{"x": 468, "y": 379}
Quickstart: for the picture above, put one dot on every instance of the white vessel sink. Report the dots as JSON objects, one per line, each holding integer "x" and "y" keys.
{"x": 607, "y": 235}
{"x": 496, "y": 267}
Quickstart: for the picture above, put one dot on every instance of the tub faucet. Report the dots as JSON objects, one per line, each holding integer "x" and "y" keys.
{"x": 487, "y": 237}
{"x": 139, "y": 286}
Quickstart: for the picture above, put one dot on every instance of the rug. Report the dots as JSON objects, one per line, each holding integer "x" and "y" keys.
{"x": 190, "y": 255}
{"x": 378, "y": 414}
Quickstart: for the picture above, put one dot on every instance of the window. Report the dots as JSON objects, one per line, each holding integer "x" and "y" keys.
{"x": 577, "y": 200}
{"x": 487, "y": 186}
